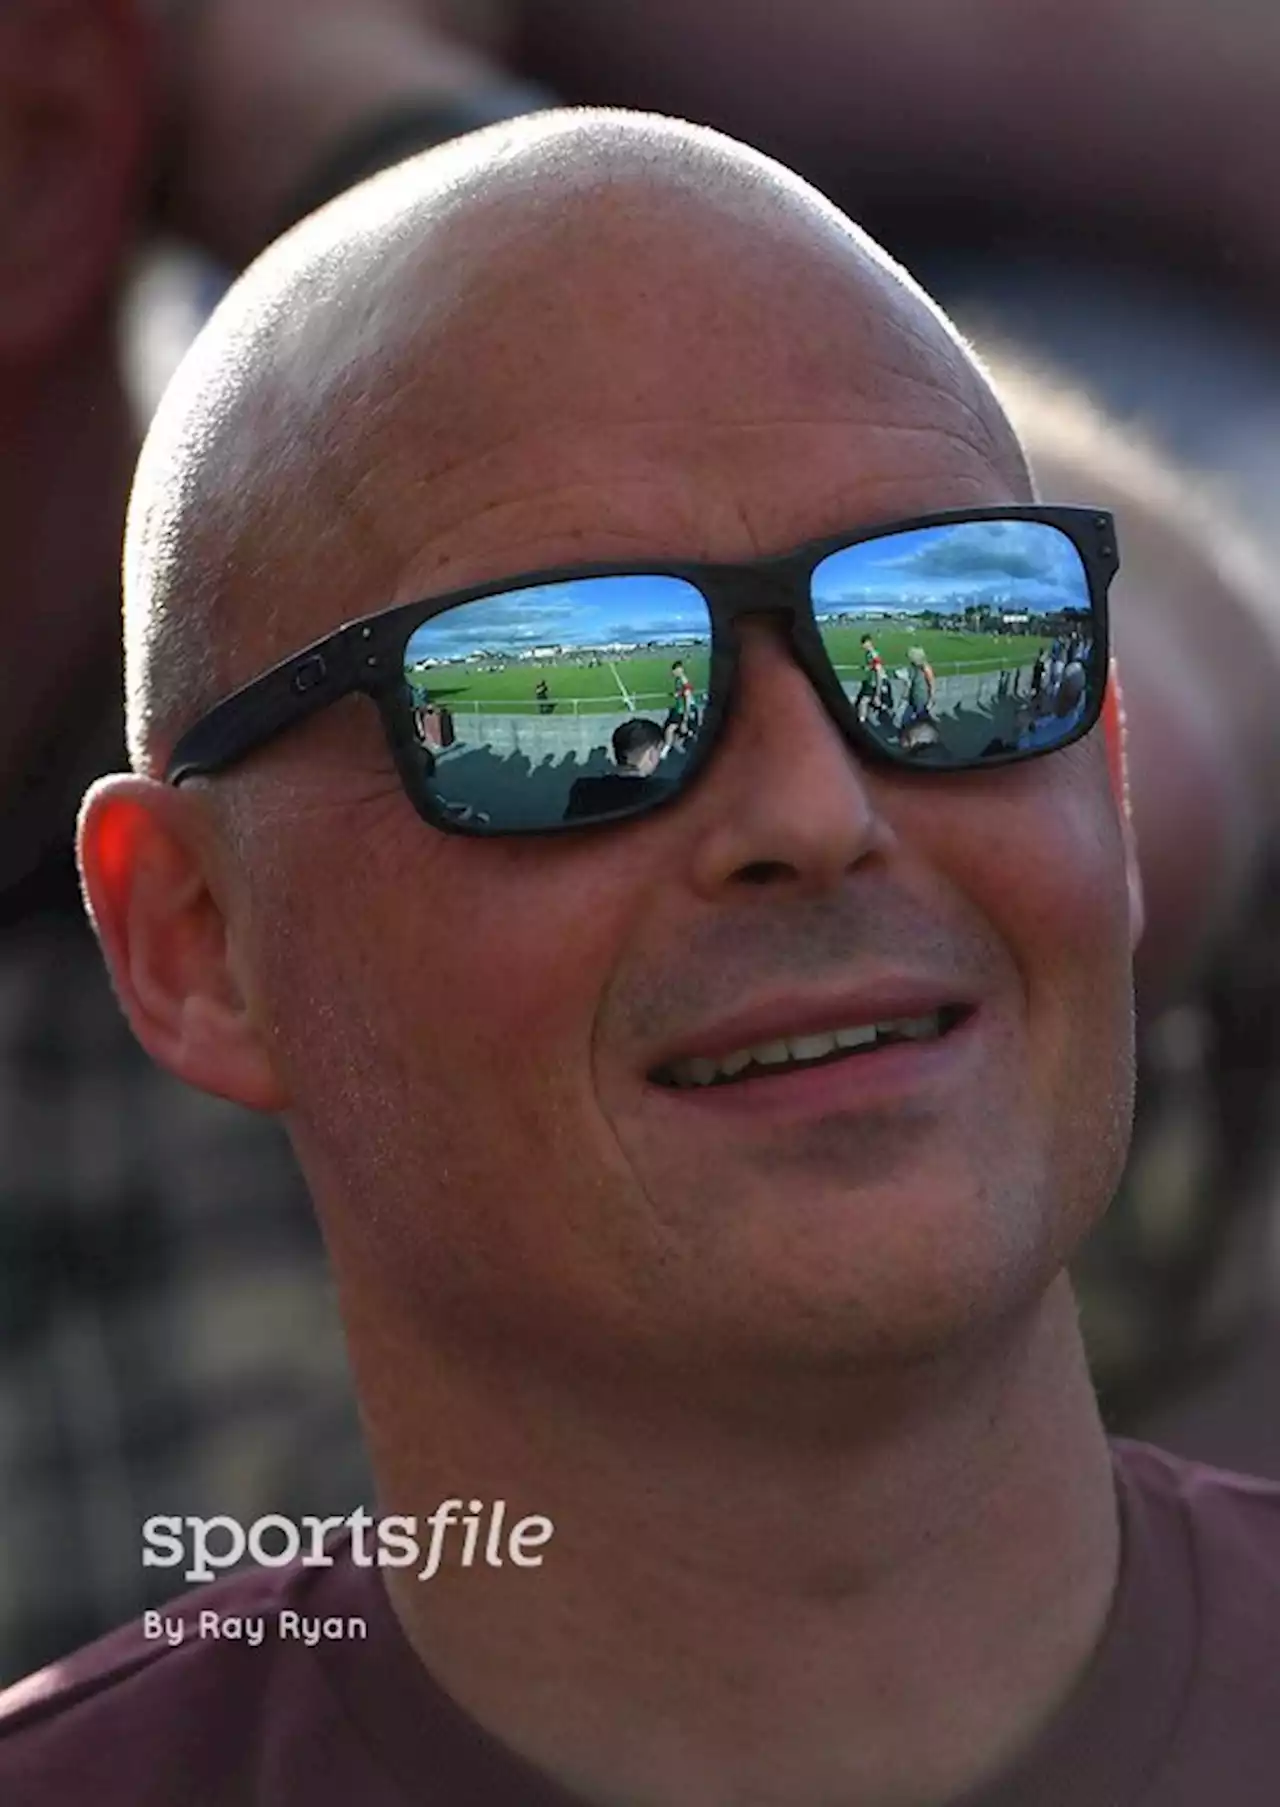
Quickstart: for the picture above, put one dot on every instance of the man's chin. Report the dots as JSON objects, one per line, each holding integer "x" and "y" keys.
{"x": 830, "y": 1363}
{"x": 897, "y": 1265}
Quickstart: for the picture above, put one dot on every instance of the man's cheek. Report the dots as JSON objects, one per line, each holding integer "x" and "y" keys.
{"x": 522, "y": 919}
{"x": 1071, "y": 867}
{"x": 1078, "y": 927}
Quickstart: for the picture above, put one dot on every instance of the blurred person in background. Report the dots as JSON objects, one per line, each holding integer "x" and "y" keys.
{"x": 167, "y": 1336}
{"x": 1097, "y": 180}
{"x": 167, "y": 1339}
{"x": 1179, "y": 1284}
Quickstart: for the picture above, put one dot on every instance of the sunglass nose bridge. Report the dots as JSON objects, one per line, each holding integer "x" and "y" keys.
{"x": 773, "y": 627}
{"x": 764, "y": 592}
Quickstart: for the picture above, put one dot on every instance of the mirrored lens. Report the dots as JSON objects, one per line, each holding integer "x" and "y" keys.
{"x": 564, "y": 702}
{"x": 963, "y": 642}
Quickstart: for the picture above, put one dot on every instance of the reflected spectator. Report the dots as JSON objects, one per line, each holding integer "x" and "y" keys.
{"x": 1039, "y": 674}
{"x": 922, "y": 688}
{"x": 1069, "y": 703}
{"x": 639, "y": 747}
{"x": 920, "y": 736}
{"x": 1057, "y": 710}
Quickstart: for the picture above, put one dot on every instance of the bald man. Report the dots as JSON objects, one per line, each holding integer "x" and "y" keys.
{"x": 698, "y": 1179}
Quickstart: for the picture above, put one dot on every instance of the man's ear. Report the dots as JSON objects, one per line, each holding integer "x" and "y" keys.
{"x": 146, "y": 864}
{"x": 74, "y": 100}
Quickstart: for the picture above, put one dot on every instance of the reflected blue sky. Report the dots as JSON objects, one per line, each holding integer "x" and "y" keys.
{"x": 1010, "y": 564}
{"x": 588, "y": 613}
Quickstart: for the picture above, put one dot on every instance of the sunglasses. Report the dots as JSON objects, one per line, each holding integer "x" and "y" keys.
{"x": 567, "y": 698}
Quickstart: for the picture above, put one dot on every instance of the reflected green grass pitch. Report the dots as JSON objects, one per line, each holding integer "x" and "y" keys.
{"x": 642, "y": 683}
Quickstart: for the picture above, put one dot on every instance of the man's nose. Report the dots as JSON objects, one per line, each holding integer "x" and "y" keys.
{"x": 784, "y": 800}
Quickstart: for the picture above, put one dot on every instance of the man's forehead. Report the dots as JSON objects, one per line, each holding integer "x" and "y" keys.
{"x": 625, "y": 373}
{"x": 564, "y": 335}
{"x": 582, "y": 497}
{"x": 677, "y": 312}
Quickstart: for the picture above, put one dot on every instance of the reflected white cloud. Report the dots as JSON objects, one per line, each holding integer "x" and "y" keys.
{"x": 1025, "y": 565}
{"x": 583, "y": 614}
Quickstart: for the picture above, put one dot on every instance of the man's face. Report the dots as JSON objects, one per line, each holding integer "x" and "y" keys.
{"x": 470, "y": 1031}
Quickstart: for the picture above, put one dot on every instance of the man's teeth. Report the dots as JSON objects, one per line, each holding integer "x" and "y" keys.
{"x": 798, "y": 1050}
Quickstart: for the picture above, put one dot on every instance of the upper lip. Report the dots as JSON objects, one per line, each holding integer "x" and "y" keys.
{"x": 782, "y": 1019}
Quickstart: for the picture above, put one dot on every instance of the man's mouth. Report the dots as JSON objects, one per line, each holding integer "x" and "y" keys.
{"x": 790, "y": 1053}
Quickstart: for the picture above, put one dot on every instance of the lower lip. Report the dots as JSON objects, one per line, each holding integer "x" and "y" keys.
{"x": 885, "y": 1076}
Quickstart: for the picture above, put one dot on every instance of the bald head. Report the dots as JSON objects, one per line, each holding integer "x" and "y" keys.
{"x": 506, "y": 291}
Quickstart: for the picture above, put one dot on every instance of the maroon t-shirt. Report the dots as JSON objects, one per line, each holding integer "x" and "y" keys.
{"x": 1181, "y": 1706}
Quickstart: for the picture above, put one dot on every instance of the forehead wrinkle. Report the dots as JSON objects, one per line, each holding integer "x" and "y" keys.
{"x": 420, "y": 403}
{"x": 690, "y": 535}
{"x": 581, "y": 471}
{"x": 956, "y": 383}
{"x": 874, "y": 396}
{"x": 450, "y": 500}
{"x": 555, "y": 325}
{"x": 369, "y": 495}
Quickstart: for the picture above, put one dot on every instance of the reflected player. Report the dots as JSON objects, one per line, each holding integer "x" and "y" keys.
{"x": 874, "y": 691}
{"x": 682, "y": 717}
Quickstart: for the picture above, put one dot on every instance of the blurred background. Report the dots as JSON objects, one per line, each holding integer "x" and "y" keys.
{"x": 1088, "y": 188}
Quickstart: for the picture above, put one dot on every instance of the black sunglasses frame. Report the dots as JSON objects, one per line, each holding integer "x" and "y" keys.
{"x": 366, "y": 656}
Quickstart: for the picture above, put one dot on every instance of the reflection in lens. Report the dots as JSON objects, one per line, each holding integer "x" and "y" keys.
{"x": 968, "y": 640}
{"x": 562, "y": 702}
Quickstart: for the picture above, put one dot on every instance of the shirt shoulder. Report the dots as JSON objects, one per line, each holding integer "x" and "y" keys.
{"x": 1222, "y": 1531}
{"x": 1231, "y": 1521}
{"x": 194, "y": 1703}
{"x": 263, "y": 1690}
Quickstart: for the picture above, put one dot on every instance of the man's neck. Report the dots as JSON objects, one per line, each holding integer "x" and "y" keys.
{"x": 887, "y": 1616}
{"x": 66, "y": 451}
